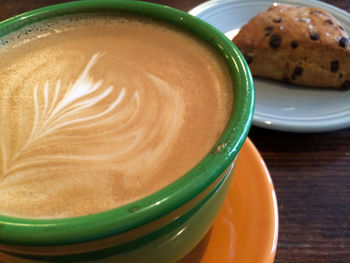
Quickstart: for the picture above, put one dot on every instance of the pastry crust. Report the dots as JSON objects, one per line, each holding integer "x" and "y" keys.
{"x": 301, "y": 45}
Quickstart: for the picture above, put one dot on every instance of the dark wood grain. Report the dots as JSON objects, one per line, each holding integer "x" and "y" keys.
{"x": 311, "y": 174}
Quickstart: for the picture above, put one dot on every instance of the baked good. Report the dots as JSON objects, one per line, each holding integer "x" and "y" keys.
{"x": 301, "y": 45}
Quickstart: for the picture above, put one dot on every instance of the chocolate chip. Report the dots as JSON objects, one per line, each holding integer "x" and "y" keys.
{"x": 334, "y": 65}
{"x": 298, "y": 71}
{"x": 294, "y": 44}
{"x": 275, "y": 41}
{"x": 346, "y": 84}
{"x": 277, "y": 20}
{"x": 248, "y": 58}
{"x": 340, "y": 75}
{"x": 268, "y": 30}
{"x": 314, "y": 35}
{"x": 342, "y": 28}
{"x": 344, "y": 42}
{"x": 329, "y": 21}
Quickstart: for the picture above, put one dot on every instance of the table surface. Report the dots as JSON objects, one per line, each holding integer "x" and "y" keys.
{"x": 311, "y": 174}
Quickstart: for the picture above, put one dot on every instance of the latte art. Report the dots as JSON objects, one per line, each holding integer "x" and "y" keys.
{"x": 99, "y": 112}
{"x": 76, "y": 108}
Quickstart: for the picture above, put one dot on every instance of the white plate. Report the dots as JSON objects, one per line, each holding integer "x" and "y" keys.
{"x": 283, "y": 106}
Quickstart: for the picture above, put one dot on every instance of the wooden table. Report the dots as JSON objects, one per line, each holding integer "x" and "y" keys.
{"x": 311, "y": 174}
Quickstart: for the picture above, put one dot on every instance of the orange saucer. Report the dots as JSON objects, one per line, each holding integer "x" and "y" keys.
{"x": 246, "y": 228}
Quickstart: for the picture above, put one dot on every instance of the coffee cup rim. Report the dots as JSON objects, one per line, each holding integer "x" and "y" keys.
{"x": 23, "y": 231}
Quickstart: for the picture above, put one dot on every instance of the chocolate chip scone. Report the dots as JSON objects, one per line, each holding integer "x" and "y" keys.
{"x": 301, "y": 45}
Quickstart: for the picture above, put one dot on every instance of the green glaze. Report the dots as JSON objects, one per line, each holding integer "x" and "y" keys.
{"x": 53, "y": 232}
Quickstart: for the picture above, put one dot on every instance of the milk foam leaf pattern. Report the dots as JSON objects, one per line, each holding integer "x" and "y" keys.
{"x": 60, "y": 111}
{"x": 83, "y": 123}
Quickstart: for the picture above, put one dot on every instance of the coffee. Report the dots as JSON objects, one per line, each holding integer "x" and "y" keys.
{"x": 99, "y": 111}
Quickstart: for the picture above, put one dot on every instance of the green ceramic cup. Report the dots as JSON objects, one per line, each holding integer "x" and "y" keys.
{"x": 164, "y": 226}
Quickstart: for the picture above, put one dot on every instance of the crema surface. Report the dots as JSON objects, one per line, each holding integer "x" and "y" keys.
{"x": 96, "y": 112}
